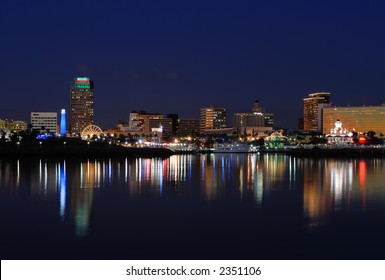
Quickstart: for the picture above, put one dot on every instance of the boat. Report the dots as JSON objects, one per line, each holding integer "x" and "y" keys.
{"x": 236, "y": 147}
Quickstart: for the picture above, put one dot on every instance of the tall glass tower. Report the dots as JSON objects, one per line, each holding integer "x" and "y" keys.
{"x": 82, "y": 104}
{"x": 312, "y": 110}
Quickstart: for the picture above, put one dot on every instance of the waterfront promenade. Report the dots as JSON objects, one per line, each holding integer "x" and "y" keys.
{"x": 77, "y": 147}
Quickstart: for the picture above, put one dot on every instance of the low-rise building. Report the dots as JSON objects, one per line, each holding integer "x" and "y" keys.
{"x": 355, "y": 119}
{"x": 44, "y": 121}
{"x": 140, "y": 121}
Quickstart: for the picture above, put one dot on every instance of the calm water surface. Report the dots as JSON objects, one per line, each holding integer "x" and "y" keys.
{"x": 233, "y": 206}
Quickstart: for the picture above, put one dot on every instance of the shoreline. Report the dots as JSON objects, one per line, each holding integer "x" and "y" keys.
{"x": 78, "y": 149}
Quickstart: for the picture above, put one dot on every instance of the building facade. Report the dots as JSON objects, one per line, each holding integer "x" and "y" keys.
{"x": 268, "y": 119}
{"x": 212, "y": 118}
{"x": 163, "y": 125}
{"x": 248, "y": 120}
{"x": 140, "y": 121}
{"x": 356, "y": 119}
{"x": 2, "y": 124}
{"x": 18, "y": 126}
{"x": 188, "y": 126}
{"x": 313, "y": 106}
{"x": 256, "y": 118}
{"x": 14, "y": 126}
{"x": 82, "y": 104}
{"x": 44, "y": 121}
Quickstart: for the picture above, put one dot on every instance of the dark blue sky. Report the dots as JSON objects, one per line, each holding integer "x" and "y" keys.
{"x": 179, "y": 56}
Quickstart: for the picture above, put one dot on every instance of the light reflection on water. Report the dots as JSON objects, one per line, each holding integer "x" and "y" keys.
{"x": 325, "y": 185}
{"x": 341, "y": 185}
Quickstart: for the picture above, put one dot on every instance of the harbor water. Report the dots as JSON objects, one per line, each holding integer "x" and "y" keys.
{"x": 214, "y": 206}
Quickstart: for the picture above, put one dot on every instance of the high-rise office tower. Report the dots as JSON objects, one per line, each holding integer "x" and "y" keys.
{"x": 312, "y": 110}
{"x": 212, "y": 118}
{"x": 82, "y": 104}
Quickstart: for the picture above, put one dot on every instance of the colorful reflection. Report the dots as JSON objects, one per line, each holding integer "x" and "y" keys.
{"x": 252, "y": 174}
{"x": 340, "y": 185}
{"x": 324, "y": 186}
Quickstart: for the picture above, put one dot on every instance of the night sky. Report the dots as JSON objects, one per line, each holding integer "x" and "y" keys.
{"x": 179, "y": 56}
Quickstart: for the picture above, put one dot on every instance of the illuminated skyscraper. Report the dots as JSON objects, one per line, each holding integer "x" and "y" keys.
{"x": 82, "y": 104}
{"x": 312, "y": 110}
{"x": 212, "y": 118}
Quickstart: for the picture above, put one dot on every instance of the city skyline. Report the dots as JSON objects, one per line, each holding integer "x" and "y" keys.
{"x": 87, "y": 84}
{"x": 181, "y": 57}
{"x": 198, "y": 139}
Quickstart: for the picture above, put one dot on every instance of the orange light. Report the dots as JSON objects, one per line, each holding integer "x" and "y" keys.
{"x": 362, "y": 140}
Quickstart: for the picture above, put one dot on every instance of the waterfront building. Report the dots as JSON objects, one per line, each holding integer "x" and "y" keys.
{"x": 268, "y": 119}
{"x": 276, "y": 140}
{"x": 122, "y": 127}
{"x": 82, "y": 104}
{"x": 241, "y": 120}
{"x": 44, "y": 122}
{"x": 140, "y": 121}
{"x": 313, "y": 106}
{"x": 188, "y": 126}
{"x": 257, "y": 120}
{"x": 15, "y": 126}
{"x": 163, "y": 125}
{"x": 2, "y": 124}
{"x": 339, "y": 135}
{"x": 4, "y": 131}
{"x": 254, "y": 131}
{"x": 134, "y": 123}
{"x": 212, "y": 118}
{"x": 356, "y": 119}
